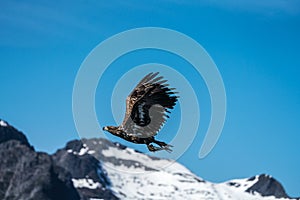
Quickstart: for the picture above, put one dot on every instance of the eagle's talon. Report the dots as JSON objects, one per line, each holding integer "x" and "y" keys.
{"x": 153, "y": 148}
{"x": 164, "y": 146}
{"x": 167, "y": 148}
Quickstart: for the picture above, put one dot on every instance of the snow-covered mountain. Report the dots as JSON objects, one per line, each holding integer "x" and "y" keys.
{"x": 99, "y": 169}
{"x": 134, "y": 175}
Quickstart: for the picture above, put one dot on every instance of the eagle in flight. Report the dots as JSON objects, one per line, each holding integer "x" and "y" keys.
{"x": 147, "y": 109}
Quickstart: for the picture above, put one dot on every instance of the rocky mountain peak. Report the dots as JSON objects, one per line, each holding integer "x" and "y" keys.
{"x": 266, "y": 185}
{"x": 8, "y": 132}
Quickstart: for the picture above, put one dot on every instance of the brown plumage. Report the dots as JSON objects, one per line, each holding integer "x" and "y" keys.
{"x": 147, "y": 108}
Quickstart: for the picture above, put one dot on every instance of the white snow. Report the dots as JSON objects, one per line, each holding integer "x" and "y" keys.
{"x": 170, "y": 181}
{"x": 242, "y": 184}
{"x": 91, "y": 152}
{"x": 2, "y": 123}
{"x": 85, "y": 183}
{"x": 84, "y": 150}
{"x": 130, "y": 154}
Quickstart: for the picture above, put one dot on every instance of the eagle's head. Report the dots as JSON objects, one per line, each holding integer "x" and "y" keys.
{"x": 111, "y": 129}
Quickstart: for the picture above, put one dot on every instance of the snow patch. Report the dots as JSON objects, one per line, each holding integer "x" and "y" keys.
{"x": 84, "y": 150}
{"x": 144, "y": 160}
{"x": 85, "y": 183}
{"x": 2, "y": 123}
{"x": 95, "y": 199}
{"x": 91, "y": 152}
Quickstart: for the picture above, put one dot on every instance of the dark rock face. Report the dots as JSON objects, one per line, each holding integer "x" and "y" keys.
{"x": 29, "y": 175}
{"x": 10, "y": 133}
{"x": 26, "y": 174}
{"x": 268, "y": 186}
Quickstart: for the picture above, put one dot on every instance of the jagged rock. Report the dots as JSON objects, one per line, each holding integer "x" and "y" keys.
{"x": 26, "y": 174}
{"x": 8, "y": 132}
{"x": 268, "y": 186}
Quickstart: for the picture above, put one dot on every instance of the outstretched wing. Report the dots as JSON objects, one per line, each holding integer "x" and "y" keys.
{"x": 148, "y": 105}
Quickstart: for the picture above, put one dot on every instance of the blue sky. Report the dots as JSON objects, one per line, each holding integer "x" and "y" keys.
{"x": 255, "y": 45}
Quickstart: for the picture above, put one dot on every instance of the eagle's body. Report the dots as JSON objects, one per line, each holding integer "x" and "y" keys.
{"x": 146, "y": 112}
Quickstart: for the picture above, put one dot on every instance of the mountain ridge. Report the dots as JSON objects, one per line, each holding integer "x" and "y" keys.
{"x": 93, "y": 169}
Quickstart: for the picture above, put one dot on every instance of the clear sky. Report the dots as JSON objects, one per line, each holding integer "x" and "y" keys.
{"x": 255, "y": 44}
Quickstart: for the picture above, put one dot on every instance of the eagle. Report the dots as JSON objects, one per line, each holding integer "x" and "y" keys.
{"x": 147, "y": 109}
